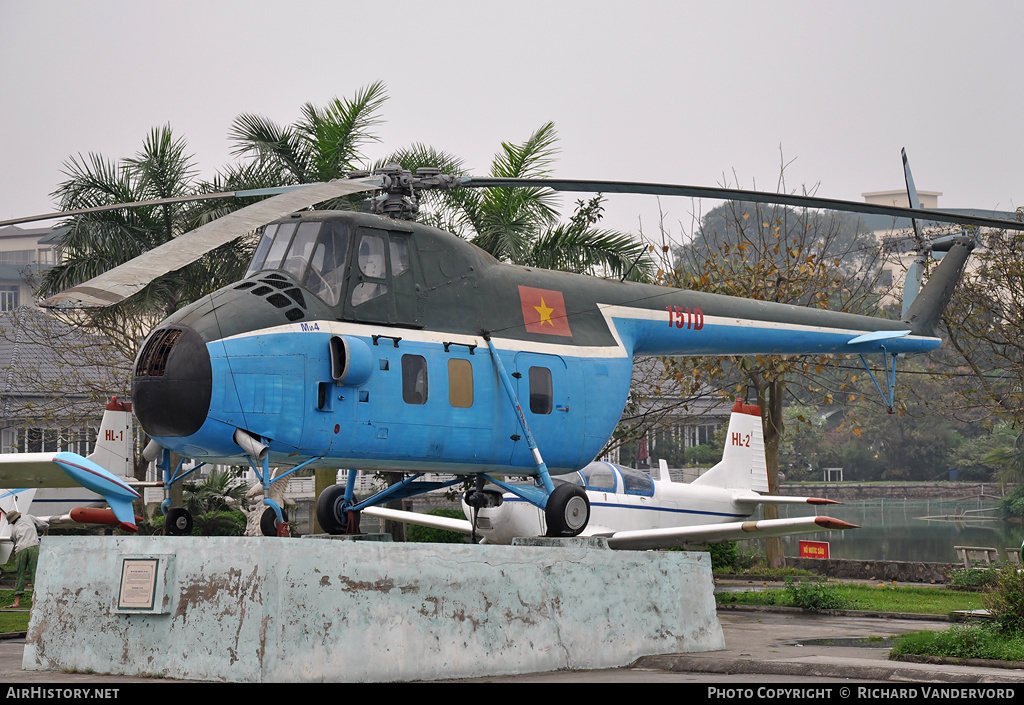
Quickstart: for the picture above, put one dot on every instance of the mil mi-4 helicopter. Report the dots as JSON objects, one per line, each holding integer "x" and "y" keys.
{"x": 367, "y": 340}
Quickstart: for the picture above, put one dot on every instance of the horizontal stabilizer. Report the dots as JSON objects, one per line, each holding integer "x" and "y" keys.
{"x": 117, "y": 492}
{"x": 878, "y": 335}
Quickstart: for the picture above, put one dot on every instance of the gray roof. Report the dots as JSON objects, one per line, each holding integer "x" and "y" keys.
{"x": 50, "y": 370}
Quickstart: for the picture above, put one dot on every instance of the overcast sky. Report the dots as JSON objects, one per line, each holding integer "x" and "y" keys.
{"x": 682, "y": 92}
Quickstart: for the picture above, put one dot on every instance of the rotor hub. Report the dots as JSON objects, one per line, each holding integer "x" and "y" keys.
{"x": 401, "y": 188}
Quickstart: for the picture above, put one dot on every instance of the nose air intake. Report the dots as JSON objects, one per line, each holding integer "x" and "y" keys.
{"x": 173, "y": 383}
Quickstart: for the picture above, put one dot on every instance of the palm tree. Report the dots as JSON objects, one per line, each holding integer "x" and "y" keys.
{"x": 94, "y": 244}
{"x": 521, "y": 225}
{"x": 324, "y": 144}
{"x": 1009, "y": 456}
{"x": 221, "y": 491}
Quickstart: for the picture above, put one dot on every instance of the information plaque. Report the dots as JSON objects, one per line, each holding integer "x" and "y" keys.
{"x": 138, "y": 584}
{"x": 144, "y": 584}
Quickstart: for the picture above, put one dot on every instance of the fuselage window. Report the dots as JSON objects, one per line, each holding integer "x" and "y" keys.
{"x": 541, "y": 393}
{"x": 399, "y": 256}
{"x": 326, "y": 273}
{"x": 373, "y": 266}
{"x": 414, "y": 379}
{"x": 460, "y": 383}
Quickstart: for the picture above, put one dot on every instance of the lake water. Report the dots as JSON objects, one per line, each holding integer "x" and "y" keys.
{"x": 909, "y": 529}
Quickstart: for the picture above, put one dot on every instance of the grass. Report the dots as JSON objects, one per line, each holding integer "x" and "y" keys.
{"x": 884, "y": 598}
{"x": 14, "y": 620}
{"x": 980, "y": 641}
{"x": 10, "y": 620}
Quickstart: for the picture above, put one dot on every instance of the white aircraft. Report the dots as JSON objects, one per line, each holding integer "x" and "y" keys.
{"x": 634, "y": 511}
{"x": 67, "y": 484}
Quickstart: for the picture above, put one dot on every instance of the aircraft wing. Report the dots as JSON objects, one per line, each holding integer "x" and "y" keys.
{"x": 436, "y": 522}
{"x": 32, "y": 470}
{"x": 674, "y": 537}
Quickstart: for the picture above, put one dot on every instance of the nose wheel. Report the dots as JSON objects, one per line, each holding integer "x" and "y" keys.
{"x": 269, "y": 525}
{"x": 177, "y": 522}
{"x": 567, "y": 511}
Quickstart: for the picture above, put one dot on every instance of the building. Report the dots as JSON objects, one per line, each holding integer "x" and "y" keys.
{"x": 24, "y": 255}
{"x": 52, "y": 394}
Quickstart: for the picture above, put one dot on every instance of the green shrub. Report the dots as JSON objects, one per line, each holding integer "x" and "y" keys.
{"x": 1012, "y": 505}
{"x": 219, "y": 523}
{"x": 972, "y": 578}
{"x": 1005, "y": 601}
{"x": 724, "y": 556}
{"x": 815, "y": 595}
{"x": 427, "y": 534}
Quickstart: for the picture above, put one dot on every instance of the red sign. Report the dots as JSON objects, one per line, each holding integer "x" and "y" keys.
{"x": 544, "y": 311}
{"x": 814, "y": 549}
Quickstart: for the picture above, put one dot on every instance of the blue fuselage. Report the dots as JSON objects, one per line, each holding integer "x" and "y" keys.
{"x": 384, "y": 364}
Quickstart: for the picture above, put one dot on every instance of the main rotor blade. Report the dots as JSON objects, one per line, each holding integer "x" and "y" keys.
{"x": 250, "y": 193}
{"x": 728, "y": 194}
{"x": 121, "y": 282}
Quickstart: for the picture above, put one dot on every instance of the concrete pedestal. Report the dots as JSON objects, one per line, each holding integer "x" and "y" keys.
{"x": 297, "y": 610}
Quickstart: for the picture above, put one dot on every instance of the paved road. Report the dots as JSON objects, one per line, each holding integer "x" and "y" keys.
{"x": 761, "y": 647}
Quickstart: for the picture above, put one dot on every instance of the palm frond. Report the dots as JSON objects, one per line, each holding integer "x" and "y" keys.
{"x": 532, "y": 158}
{"x": 264, "y": 140}
{"x": 591, "y": 251}
{"x": 334, "y": 134}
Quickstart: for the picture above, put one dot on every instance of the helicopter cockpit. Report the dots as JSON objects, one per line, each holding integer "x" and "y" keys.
{"x": 345, "y": 264}
{"x": 313, "y": 252}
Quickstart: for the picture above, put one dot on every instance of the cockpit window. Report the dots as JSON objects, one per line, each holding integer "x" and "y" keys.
{"x": 636, "y": 482}
{"x": 282, "y": 238}
{"x": 302, "y": 247}
{"x": 399, "y": 256}
{"x": 599, "y": 476}
{"x": 373, "y": 266}
{"x": 573, "y": 478}
{"x": 326, "y": 273}
{"x": 313, "y": 252}
{"x": 260, "y": 256}
{"x": 371, "y": 256}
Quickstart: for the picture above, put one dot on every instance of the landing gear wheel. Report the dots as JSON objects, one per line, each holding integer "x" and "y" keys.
{"x": 330, "y": 512}
{"x": 268, "y": 521}
{"x": 567, "y": 512}
{"x": 177, "y": 522}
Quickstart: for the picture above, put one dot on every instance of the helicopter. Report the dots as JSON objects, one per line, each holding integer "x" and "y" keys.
{"x": 371, "y": 341}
